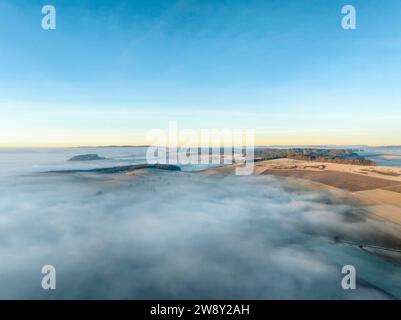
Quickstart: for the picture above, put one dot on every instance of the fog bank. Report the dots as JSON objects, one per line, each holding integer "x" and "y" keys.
{"x": 171, "y": 235}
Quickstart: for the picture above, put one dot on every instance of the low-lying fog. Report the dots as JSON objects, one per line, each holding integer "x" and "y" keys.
{"x": 169, "y": 235}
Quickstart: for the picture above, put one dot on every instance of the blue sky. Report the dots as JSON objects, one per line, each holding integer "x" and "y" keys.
{"x": 112, "y": 70}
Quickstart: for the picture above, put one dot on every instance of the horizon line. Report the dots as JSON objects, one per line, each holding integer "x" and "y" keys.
{"x": 144, "y": 146}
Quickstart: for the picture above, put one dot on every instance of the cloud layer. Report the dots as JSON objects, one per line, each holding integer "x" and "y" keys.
{"x": 184, "y": 235}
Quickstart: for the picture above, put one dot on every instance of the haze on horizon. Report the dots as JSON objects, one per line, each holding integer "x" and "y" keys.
{"x": 112, "y": 71}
